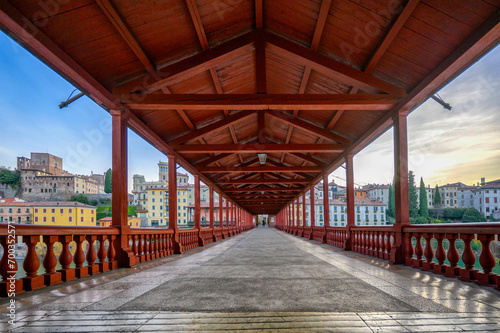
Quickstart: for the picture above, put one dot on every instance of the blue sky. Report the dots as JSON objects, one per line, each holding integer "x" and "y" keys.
{"x": 444, "y": 146}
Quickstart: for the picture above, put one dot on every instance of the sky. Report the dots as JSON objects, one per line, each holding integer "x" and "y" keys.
{"x": 444, "y": 146}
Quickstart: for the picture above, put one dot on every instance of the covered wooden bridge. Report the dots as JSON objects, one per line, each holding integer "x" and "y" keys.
{"x": 260, "y": 100}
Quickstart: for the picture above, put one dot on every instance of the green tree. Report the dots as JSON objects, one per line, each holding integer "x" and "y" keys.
{"x": 391, "y": 208}
{"x": 412, "y": 195}
{"x": 82, "y": 197}
{"x": 473, "y": 215}
{"x": 11, "y": 178}
{"x": 437, "y": 198}
{"x": 108, "y": 185}
{"x": 424, "y": 208}
{"x": 94, "y": 202}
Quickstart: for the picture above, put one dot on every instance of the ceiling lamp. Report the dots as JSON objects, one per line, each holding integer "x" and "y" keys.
{"x": 262, "y": 158}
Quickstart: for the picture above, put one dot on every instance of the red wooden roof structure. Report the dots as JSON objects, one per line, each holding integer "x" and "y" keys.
{"x": 214, "y": 83}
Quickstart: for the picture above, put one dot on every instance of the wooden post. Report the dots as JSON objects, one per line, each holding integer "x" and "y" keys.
{"x": 172, "y": 202}
{"x": 349, "y": 170}
{"x": 126, "y": 257}
{"x": 197, "y": 209}
{"x": 211, "y": 212}
{"x": 304, "y": 216}
{"x": 326, "y": 206}
{"x": 313, "y": 221}
{"x": 397, "y": 255}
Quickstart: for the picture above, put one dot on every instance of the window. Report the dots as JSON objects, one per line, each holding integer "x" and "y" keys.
{"x": 53, "y": 219}
{"x": 70, "y": 219}
{"x": 53, "y": 211}
{"x": 153, "y": 193}
{"x": 27, "y": 210}
{"x": 366, "y": 217}
{"x": 486, "y": 200}
{"x": 81, "y": 219}
{"x": 61, "y": 211}
{"x": 70, "y": 210}
{"x": 154, "y": 207}
{"x": 81, "y": 211}
{"x": 19, "y": 210}
{"x": 153, "y": 200}
{"x": 44, "y": 211}
{"x": 36, "y": 210}
{"x": 36, "y": 218}
{"x": 19, "y": 219}
{"x": 45, "y": 219}
{"x": 92, "y": 219}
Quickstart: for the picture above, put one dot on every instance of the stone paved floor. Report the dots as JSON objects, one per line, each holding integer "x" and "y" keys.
{"x": 261, "y": 280}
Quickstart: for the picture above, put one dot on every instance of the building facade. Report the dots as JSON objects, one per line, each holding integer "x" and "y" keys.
{"x": 42, "y": 161}
{"x": 64, "y": 213}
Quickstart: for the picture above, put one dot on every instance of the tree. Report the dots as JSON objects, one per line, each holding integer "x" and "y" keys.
{"x": 391, "y": 207}
{"x": 424, "y": 208}
{"x": 83, "y": 198}
{"x": 11, "y": 178}
{"x": 94, "y": 202}
{"x": 473, "y": 215}
{"x": 437, "y": 198}
{"x": 412, "y": 195}
{"x": 108, "y": 185}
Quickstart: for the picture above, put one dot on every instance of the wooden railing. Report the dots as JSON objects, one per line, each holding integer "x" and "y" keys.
{"x": 85, "y": 251}
{"x": 427, "y": 247}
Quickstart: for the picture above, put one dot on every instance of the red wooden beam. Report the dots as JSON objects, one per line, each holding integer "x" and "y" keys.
{"x": 114, "y": 17}
{"x": 189, "y": 67}
{"x": 217, "y": 126}
{"x": 260, "y": 102}
{"x": 263, "y": 181}
{"x": 259, "y": 17}
{"x": 329, "y": 66}
{"x": 320, "y": 23}
{"x": 231, "y": 169}
{"x": 261, "y": 127}
{"x": 308, "y": 127}
{"x": 308, "y": 158}
{"x": 391, "y": 35}
{"x": 261, "y": 148}
{"x": 262, "y": 189}
{"x": 260, "y": 64}
{"x": 198, "y": 25}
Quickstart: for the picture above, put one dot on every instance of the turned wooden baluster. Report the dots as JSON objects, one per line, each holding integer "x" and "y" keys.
{"x": 388, "y": 243}
{"x": 134, "y": 244}
{"x": 31, "y": 262}
{"x": 486, "y": 259}
{"x": 383, "y": 236}
{"x": 91, "y": 255}
{"x": 440, "y": 252}
{"x": 141, "y": 245}
{"x": 65, "y": 258}
{"x": 409, "y": 247}
{"x": 156, "y": 249}
{"x": 419, "y": 250}
{"x": 50, "y": 261}
{"x": 5, "y": 266}
{"x": 453, "y": 256}
{"x": 111, "y": 250}
{"x": 101, "y": 254}
{"x": 79, "y": 257}
{"x": 429, "y": 252}
{"x": 468, "y": 256}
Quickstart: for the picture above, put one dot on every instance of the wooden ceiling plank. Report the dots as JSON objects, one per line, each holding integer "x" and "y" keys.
{"x": 308, "y": 127}
{"x": 260, "y": 65}
{"x": 188, "y": 67}
{"x": 391, "y": 35}
{"x": 217, "y": 126}
{"x": 329, "y": 66}
{"x": 256, "y": 148}
{"x": 114, "y": 17}
{"x": 320, "y": 23}
{"x": 263, "y": 189}
{"x": 307, "y": 158}
{"x": 285, "y": 102}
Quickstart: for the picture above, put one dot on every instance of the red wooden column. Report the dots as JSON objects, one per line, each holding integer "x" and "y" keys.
{"x": 172, "y": 201}
{"x": 125, "y": 255}
{"x": 220, "y": 210}
{"x": 304, "y": 217}
{"x": 197, "y": 209}
{"x": 211, "y": 211}
{"x": 349, "y": 170}
{"x": 397, "y": 255}
{"x": 298, "y": 217}
{"x": 326, "y": 206}
{"x": 313, "y": 222}
{"x": 227, "y": 213}
{"x": 292, "y": 208}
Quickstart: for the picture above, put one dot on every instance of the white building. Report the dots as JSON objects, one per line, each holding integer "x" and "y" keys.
{"x": 487, "y": 198}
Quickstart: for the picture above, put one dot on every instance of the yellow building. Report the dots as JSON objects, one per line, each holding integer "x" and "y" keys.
{"x": 157, "y": 206}
{"x": 133, "y": 222}
{"x": 182, "y": 204}
{"x": 63, "y": 213}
